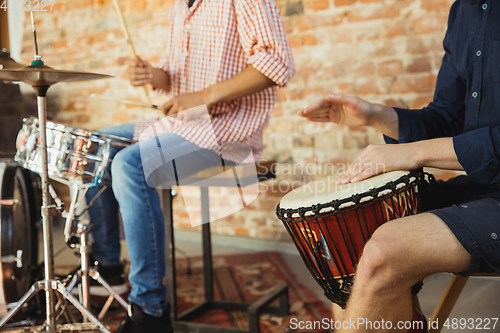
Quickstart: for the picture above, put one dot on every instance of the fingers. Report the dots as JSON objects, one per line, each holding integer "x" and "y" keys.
{"x": 370, "y": 162}
{"x": 139, "y": 72}
{"x": 166, "y": 107}
{"x": 319, "y": 119}
{"x": 139, "y": 76}
{"x": 321, "y": 106}
{"x": 357, "y": 173}
{"x": 171, "y": 108}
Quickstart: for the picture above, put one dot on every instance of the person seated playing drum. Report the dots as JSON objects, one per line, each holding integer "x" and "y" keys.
{"x": 458, "y": 130}
{"x": 215, "y": 56}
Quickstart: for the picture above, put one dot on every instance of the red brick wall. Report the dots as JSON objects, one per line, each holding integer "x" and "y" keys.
{"x": 387, "y": 51}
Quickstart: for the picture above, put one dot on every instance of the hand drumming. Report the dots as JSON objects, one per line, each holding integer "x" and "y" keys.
{"x": 348, "y": 110}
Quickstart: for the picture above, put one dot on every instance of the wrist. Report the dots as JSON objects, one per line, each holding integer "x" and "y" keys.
{"x": 384, "y": 119}
{"x": 374, "y": 115}
{"x": 211, "y": 95}
{"x": 418, "y": 153}
{"x": 160, "y": 79}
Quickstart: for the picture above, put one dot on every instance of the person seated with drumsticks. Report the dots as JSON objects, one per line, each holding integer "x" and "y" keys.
{"x": 459, "y": 130}
{"x": 229, "y": 55}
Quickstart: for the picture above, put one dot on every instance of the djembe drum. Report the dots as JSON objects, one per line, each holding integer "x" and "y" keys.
{"x": 330, "y": 224}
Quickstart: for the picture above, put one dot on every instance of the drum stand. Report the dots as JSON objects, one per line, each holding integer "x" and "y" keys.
{"x": 83, "y": 230}
{"x": 50, "y": 285}
{"x": 41, "y": 77}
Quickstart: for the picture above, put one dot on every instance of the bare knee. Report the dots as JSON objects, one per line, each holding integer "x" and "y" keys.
{"x": 385, "y": 263}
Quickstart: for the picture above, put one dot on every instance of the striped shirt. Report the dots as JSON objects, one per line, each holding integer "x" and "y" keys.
{"x": 211, "y": 42}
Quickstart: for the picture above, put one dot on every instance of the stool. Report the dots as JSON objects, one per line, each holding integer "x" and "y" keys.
{"x": 449, "y": 298}
{"x": 183, "y": 322}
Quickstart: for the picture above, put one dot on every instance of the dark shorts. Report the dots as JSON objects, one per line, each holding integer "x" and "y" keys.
{"x": 474, "y": 221}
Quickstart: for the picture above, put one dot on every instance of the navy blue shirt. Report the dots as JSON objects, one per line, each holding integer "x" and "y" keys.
{"x": 466, "y": 102}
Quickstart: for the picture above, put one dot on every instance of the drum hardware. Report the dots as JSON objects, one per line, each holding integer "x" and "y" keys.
{"x": 9, "y": 202}
{"x": 41, "y": 77}
{"x": 58, "y": 208}
{"x": 18, "y": 235}
{"x": 78, "y": 159}
{"x": 85, "y": 272}
{"x": 6, "y": 61}
{"x": 18, "y": 259}
{"x": 76, "y": 156}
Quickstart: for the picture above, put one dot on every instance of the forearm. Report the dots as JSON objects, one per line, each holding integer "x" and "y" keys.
{"x": 248, "y": 82}
{"x": 385, "y": 120}
{"x": 160, "y": 79}
{"x": 436, "y": 153}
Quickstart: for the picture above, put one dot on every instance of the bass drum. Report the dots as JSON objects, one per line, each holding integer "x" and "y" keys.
{"x": 20, "y": 197}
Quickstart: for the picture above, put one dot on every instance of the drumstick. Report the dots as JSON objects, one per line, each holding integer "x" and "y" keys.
{"x": 126, "y": 101}
{"x": 146, "y": 105}
{"x": 127, "y": 36}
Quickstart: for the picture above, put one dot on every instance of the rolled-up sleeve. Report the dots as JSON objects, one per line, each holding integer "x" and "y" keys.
{"x": 263, "y": 39}
{"x": 478, "y": 152}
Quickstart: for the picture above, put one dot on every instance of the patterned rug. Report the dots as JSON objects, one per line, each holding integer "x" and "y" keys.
{"x": 244, "y": 278}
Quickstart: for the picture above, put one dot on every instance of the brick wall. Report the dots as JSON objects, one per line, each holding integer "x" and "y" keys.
{"x": 387, "y": 51}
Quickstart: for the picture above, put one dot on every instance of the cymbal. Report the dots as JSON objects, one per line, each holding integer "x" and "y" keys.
{"x": 8, "y": 62}
{"x": 45, "y": 76}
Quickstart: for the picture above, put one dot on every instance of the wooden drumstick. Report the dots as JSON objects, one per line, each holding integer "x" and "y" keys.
{"x": 127, "y": 36}
{"x": 146, "y": 105}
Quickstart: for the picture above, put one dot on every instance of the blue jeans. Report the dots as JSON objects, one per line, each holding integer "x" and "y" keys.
{"x": 139, "y": 205}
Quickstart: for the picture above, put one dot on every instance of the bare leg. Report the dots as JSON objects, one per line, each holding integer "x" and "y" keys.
{"x": 337, "y": 312}
{"x": 399, "y": 254}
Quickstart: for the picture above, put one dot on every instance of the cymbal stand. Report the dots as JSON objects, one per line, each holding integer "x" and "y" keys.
{"x": 50, "y": 285}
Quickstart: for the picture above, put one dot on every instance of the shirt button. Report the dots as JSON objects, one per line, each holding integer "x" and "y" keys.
{"x": 183, "y": 79}
{"x": 484, "y": 6}
{"x": 478, "y": 53}
{"x": 474, "y": 94}
{"x": 188, "y": 26}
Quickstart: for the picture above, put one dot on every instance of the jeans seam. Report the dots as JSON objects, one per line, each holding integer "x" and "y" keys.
{"x": 152, "y": 226}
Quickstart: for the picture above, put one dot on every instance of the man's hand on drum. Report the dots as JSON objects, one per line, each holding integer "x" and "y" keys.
{"x": 377, "y": 159}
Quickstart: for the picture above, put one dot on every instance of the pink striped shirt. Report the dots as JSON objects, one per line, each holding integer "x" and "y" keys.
{"x": 211, "y": 42}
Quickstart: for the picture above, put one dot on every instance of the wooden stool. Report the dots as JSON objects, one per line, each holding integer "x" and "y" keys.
{"x": 213, "y": 177}
{"x": 449, "y": 298}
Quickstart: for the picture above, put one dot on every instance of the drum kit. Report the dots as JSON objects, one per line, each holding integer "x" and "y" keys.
{"x": 75, "y": 157}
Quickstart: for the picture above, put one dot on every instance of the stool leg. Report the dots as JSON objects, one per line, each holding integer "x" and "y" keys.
{"x": 169, "y": 252}
{"x": 207, "y": 245}
{"x": 447, "y": 301}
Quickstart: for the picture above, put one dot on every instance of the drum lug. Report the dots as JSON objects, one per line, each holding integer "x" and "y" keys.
{"x": 18, "y": 259}
{"x": 9, "y": 202}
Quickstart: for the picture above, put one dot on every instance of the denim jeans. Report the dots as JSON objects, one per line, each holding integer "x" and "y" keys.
{"x": 142, "y": 217}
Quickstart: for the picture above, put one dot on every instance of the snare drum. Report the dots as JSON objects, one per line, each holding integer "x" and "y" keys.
{"x": 330, "y": 224}
{"x": 74, "y": 155}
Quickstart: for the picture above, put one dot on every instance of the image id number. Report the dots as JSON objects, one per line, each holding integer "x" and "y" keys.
{"x": 471, "y": 323}
{"x": 28, "y": 5}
